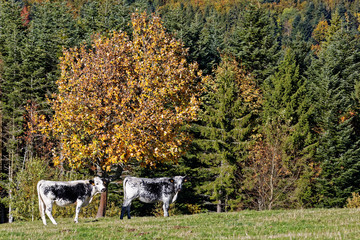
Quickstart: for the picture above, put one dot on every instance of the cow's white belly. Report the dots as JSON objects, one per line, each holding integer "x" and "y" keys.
{"x": 62, "y": 202}
{"x": 147, "y": 199}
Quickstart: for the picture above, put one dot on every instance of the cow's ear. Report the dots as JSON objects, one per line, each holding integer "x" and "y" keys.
{"x": 171, "y": 180}
{"x": 92, "y": 182}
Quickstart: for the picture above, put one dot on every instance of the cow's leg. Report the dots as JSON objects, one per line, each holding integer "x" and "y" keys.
{"x": 41, "y": 205}
{"x": 128, "y": 211}
{"x": 79, "y": 204}
{"x": 126, "y": 207}
{"x": 42, "y": 210}
{"x": 166, "y": 208}
{"x": 48, "y": 210}
{"x": 123, "y": 210}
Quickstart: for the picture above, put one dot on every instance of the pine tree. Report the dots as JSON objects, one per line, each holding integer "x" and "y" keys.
{"x": 104, "y": 17}
{"x": 334, "y": 77}
{"x": 211, "y": 42}
{"x": 12, "y": 35}
{"x": 286, "y": 104}
{"x": 305, "y": 23}
{"x": 228, "y": 121}
{"x": 186, "y": 23}
{"x": 254, "y": 42}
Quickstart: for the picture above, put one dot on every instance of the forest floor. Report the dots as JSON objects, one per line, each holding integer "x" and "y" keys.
{"x": 277, "y": 224}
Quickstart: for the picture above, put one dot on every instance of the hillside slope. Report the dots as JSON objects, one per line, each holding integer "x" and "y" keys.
{"x": 284, "y": 224}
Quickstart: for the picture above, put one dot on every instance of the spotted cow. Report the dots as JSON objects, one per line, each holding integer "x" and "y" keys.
{"x": 149, "y": 190}
{"x": 80, "y": 192}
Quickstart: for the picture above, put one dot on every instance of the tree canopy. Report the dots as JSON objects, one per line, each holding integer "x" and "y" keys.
{"x": 125, "y": 98}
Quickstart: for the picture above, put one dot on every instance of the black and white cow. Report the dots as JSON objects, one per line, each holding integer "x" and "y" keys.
{"x": 65, "y": 193}
{"x": 151, "y": 190}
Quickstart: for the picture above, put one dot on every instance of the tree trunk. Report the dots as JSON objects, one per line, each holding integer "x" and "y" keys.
{"x": 102, "y": 207}
{"x": 218, "y": 206}
{"x": 103, "y": 198}
{"x": 11, "y": 165}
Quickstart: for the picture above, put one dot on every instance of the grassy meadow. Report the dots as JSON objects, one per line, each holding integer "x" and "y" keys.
{"x": 279, "y": 224}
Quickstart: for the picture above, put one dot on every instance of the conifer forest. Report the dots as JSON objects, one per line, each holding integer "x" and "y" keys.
{"x": 257, "y": 102}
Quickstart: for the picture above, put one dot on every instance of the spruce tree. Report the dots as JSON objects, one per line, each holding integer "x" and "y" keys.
{"x": 104, "y": 17}
{"x": 287, "y": 104}
{"x": 254, "y": 42}
{"x": 186, "y": 23}
{"x": 12, "y": 35}
{"x": 227, "y": 124}
{"x": 211, "y": 42}
{"x": 333, "y": 77}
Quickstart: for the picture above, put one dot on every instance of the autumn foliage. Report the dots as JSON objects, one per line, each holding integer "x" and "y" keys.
{"x": 125, "y": 98}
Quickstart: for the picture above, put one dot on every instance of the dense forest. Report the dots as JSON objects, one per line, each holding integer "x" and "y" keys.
{"x": 277, "y": 126}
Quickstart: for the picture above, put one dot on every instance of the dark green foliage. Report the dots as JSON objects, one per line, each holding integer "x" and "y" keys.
{"x": 228, "y": 121}
{"x": 288, "y": 104}
{"x": 105, "y": 17}
{"x": 305, "y": 22}
{"x": 12, "y": 37}
{"x": 255, "y": 42}
{"x": 211, "y": 42}
{"x": 203, "y": 33}
{"x": 334, "y": 75}
{"x": 52, "y": 28}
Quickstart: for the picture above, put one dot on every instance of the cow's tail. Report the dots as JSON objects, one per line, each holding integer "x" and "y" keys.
{"x": 124, "y": 186}
{"x": 125, "y": 206}
{"x": 41, "y": 203}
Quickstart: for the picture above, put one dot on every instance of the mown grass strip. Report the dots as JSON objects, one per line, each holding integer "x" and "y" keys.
{"x": 279, "y": 224}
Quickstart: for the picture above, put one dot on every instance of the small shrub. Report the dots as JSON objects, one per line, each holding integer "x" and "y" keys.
{"x": 354, "y": 201}
{"x": 24, "y": 193}
{"x": 194, "y": 208}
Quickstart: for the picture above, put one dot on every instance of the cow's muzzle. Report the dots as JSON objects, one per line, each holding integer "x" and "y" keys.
{"x": 103, "y": 190}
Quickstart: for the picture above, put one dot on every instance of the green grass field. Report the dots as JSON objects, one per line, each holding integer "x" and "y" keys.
{"x": 284, "y": 224}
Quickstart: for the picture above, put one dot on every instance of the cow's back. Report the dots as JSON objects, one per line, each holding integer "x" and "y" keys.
{"x": 65, "y": 192}
{"x": 147, "y": 189}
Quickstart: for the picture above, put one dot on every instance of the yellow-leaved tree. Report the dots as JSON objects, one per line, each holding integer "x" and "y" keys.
{"x": 125, "y": 98}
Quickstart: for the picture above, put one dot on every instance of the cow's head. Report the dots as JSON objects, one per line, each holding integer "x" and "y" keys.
{"x": 178, "y": 181}
{"x": 98, "y": 184}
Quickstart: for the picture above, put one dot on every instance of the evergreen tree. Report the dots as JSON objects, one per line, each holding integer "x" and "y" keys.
{"x": 178, "y": 19}
{"x": 287, "y": 103}
{"x": 211, "y": 42}
{"x": 52, "y": 27}
{"x": 254, "y": 42}
{"x": 305, "y": 23}
{"x": 30, "y": 55}
{"x": 333, "y": 78}
{"x": 186, "y": 23}
{"x": 228, "y": 122}
{"x": 12, "y": 35}
{"x": 302, "y": 53}
{"x": 105, "y": 17}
